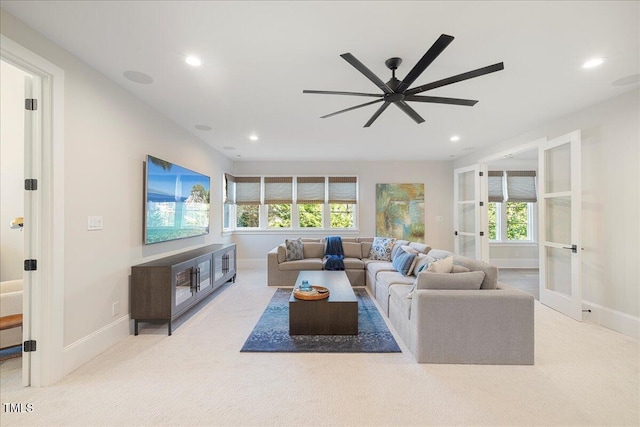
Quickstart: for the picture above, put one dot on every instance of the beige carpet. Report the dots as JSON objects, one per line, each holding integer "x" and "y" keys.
{"x": 584, "y": 375}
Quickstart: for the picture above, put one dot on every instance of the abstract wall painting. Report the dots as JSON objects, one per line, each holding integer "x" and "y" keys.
{"x": 400, "y": 211}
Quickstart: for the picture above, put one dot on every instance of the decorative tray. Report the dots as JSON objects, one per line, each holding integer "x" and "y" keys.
{"x": 316, "y": 293}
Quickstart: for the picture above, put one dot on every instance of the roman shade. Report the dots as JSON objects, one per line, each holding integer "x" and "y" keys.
{"x": 496, "y": 188}
{"x": 248, "y": 190}
{"x": 521, "y": 186}
{"x": 310, "y": 189}
{"x": 278, "y": 190}
{"x": 343, "y": 189}
{"x": 229, "y": 189}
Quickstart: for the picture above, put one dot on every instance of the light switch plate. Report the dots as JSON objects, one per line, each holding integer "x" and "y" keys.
{"x": 94, "y": 223}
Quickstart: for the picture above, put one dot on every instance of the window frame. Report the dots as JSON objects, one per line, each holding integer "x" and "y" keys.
{"x": 502, "y": 224}
{"x": 295, "y": 211}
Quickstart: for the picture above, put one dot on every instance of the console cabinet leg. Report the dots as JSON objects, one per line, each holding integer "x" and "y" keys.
{"x": 135, "y": 322}
{"x": 169, "y": 327}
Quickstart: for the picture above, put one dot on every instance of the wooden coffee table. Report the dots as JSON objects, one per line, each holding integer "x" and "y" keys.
{"x": 336, "y": 315}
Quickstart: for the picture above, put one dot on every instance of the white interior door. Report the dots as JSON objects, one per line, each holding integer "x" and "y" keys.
{"x": 559, "y": 224}
{"x": 470, "y": 219}
{"x": 32, "y": 87}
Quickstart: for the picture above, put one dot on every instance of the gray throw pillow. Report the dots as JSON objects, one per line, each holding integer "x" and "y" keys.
{"x": 295, "y": 250}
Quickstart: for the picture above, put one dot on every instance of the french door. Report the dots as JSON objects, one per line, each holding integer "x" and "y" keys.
{"x": 559, "y": 220}
{"x": 470, "y": 212}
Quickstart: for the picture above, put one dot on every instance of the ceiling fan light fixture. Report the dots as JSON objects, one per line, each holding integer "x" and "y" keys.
{"x": 194, "y": 61}
{"x": 593, "y": 62}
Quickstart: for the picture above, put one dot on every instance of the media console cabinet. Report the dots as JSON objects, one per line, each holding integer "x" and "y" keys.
{"x": 166, "y": 288}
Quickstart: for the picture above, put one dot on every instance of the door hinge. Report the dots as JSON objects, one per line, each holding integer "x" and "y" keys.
{"x": 481, "y": 203}
{"x": 481, "y": 233}
{"x": 30, "y": 184}
{"x": 29, "y": 346}
{"x": 31, "y": 104}
{"x": 481, "y": 173}
{"x": 30, "y": 264}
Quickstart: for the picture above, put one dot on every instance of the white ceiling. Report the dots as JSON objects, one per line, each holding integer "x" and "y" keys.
{"x": 259, "y": 56}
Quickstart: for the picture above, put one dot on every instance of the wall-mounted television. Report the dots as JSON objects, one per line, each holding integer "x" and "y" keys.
{"x": 176, "y": 202}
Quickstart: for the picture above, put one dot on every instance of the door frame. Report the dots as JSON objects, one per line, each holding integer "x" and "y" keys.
{"x": 43, "y": 306}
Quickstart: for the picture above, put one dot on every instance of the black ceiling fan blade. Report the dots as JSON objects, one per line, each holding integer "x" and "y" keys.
{"x": 377, "y": 114}
{"x": 351, "y": 108}
{"x": 333, "y": 92}
{"x": 440, "y": 100}
{"x": 367, "y": 72}
{"x": 436, "y": 49}
{"x": 455, "y": 79}
{"x": 410, "y": 111}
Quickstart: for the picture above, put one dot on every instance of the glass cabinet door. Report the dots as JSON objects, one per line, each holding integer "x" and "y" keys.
{"x": 184, "y": 289}
{"x": 204, "y": 267}
{"x": 218, "y": 262}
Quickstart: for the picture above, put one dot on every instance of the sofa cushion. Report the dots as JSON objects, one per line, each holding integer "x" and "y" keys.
{"x": 353, "y": 264}
{"x": 404, "y": 262}
{"x": 381, "y": 248}
{"x": 441, "y": 266}
{"x": 366, "y": 249}
{"x": 439, "y": 253}
{"x": 282, "y": 253}
{"x": 313, "y": 250}
{"x": 390, "y": 278}
{"x": 398, "y": 293}
{"x": 294, "y": 249}
{"x": 349, "y": 239}
{"x": 490, "y": 271}
{"x": 422, "y": 262}
{"x": 396, "y": 247}
{"x": 420, "y": 247}
{"x": 352, "y": 250}
{"x": 469, "y": 281}
{"x": 302, "y": 264}
{"x": 459, "y": 269}
{"x": 376, "y": 266}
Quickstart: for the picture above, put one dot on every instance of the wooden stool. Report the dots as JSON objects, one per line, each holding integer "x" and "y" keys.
{"x": 12, "y": 321}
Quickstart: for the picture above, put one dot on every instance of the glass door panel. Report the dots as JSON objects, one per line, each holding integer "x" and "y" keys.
{"x": 467, "y": 246}
{"x": 218, "y": 266}
{"x": 204, "y": 265}
{"x": 467, "y": 217}
{"x": 184, "y": 289}
{"x": 558, "y": 271}
{"x": 558, "y": 169}
{"x": 558, "y": 212}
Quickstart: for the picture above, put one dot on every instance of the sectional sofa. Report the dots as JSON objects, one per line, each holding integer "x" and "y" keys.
{"x": 463, "y": 315}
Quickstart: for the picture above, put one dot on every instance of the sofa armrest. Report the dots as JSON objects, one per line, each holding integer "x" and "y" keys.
{"x": 473, "y": 327}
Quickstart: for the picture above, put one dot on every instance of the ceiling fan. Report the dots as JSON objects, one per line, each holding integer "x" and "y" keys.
{"x": 397, "y": 92}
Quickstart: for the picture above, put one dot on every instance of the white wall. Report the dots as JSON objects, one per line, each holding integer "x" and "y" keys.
{"x": 436, "y": 176}
{"x": 12, "y": 167}
{"x": 108, "y": 133}
{"x": 610, "y": 204}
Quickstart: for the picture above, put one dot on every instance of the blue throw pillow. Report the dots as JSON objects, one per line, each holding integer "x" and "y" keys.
{"x": 403, "y": 262}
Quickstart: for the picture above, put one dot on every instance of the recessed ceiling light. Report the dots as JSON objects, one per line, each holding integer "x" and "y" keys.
{"x": 138, "y": 77}
{"x": 253, "y": 137}
{"x": 454, "y": 138}
{"x": 194, "y": 61}
{"x": 202, "y": 127}
{"x": 593, "y": 62}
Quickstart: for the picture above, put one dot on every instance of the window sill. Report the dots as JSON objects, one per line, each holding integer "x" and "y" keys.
{"x": 513, "y": 243}
{"x": 297, "y": 231}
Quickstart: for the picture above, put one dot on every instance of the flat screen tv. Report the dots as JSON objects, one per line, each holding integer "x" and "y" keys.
{"x": 176, "y": 202}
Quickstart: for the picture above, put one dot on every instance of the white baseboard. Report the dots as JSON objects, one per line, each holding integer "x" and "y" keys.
{"x": 620, "y": 322}
{"x": 514, "y": 262}
{"x": 86, "y": 348}
{"x": 250, "y": 264}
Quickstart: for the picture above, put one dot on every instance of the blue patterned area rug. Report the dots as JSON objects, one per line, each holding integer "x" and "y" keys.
{"x": 271, "y": 333}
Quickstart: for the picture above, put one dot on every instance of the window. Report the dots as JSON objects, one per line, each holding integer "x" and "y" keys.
{"x": 247, "y": 201}
{"x": 318, "y": 202}
{"x": 310, "y": 195}
{"x": 343, "y": 192}
{"x": 511, "y": 207}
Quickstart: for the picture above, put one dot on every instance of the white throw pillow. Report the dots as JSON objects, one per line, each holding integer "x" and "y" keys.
{"x": 441, "y": 266}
